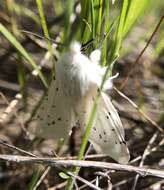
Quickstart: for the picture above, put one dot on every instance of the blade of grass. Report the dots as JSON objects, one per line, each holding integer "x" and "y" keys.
{"x": 67, "y": 24}
{"x": 93, "y": 20}
{"x": 35, "y": 177}
{"x": 87, "y": 20}
{"x": 44, "y": 24}
{"x": 99, "y": 21}
{"x": 119, "y": 34}
{"x": 22, "y": 51}
{"x": 106, "y": 29}
{"x": 135, "y": 9}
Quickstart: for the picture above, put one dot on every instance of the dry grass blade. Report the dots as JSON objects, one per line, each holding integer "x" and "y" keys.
{"x": 140, "y": 111}
{"x": 145, "y": 153}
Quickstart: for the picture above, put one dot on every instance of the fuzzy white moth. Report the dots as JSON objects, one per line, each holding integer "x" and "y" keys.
{"x": 70, "y": 99}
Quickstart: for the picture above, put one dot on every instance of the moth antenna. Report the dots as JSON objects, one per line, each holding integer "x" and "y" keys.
{"x": 41, "y": 37}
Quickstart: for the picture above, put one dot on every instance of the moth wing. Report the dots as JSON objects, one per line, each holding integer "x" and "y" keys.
{"x": 107, "y": 135}
{"x": 55, "y": 117}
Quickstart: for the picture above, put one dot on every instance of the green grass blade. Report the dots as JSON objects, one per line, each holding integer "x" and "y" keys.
{"x": 67, "y": 25}
{"x": 35, "y": 177}
{"x": 44, "y": 24}
{"x": 22, "y": 51}
{"x": 106, "y": 29}
{"x": 87, "y": 21}
{"x": 119, "y": 33}
{"x": 135, "y": 9}
{"x": 93, "y": 20}
{"x": 99, "y": 21}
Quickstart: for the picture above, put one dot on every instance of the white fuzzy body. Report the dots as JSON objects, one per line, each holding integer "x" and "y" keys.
{"x": 70, "y": 100}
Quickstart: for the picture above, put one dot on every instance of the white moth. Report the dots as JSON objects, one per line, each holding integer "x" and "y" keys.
{"x": 70, "y": 99}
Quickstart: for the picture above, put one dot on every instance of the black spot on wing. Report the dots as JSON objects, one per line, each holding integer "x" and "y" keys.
{"x": 53, "y": 122}
{"x": 59, "y": 119}
{"x": 57, "y": 89}
{"x": 100, "y": 136}
{"x": 94, "y": 128}
{"x": 109, "y": 113}
{"x": 124, "y": 142}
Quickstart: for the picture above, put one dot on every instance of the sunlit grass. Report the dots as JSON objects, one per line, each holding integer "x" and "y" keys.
{"x": 11, "y": 38}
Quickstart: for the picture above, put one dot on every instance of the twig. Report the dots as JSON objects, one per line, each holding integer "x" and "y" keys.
{"x": 145, "y": 153}
{"x": 133, "y": 66}
{"x": 161, "y": 143}
{"x": 29, "y": 33}
{"x": 83, "y": 180}
{"x": 16, "y": 148}
{"x": 11, "y": 109}
{"x": 68, "y": 173}
{"x": 94, "y": 164}
{"x": 153, "y": 123}
{"x": 91, "y": 156}
{"x": 58, "y": 186}
{"x": 42, "y": 177}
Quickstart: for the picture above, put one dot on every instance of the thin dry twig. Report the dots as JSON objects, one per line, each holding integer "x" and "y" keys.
{"x": 145, "y": 153}
{"x": 16, "y": 148}
{"x": 161, "y": 143}
{"x": 153, "y": 123}
{"x": 87, "y": 183}
{"x": 94, "y": 164}
{"x": 11, "y": 109}
{"x": 42, "y": 177}
{"x": 134, "y": 64}
{"x": 58, "y": 186}
{"x": 83, "y": 180}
